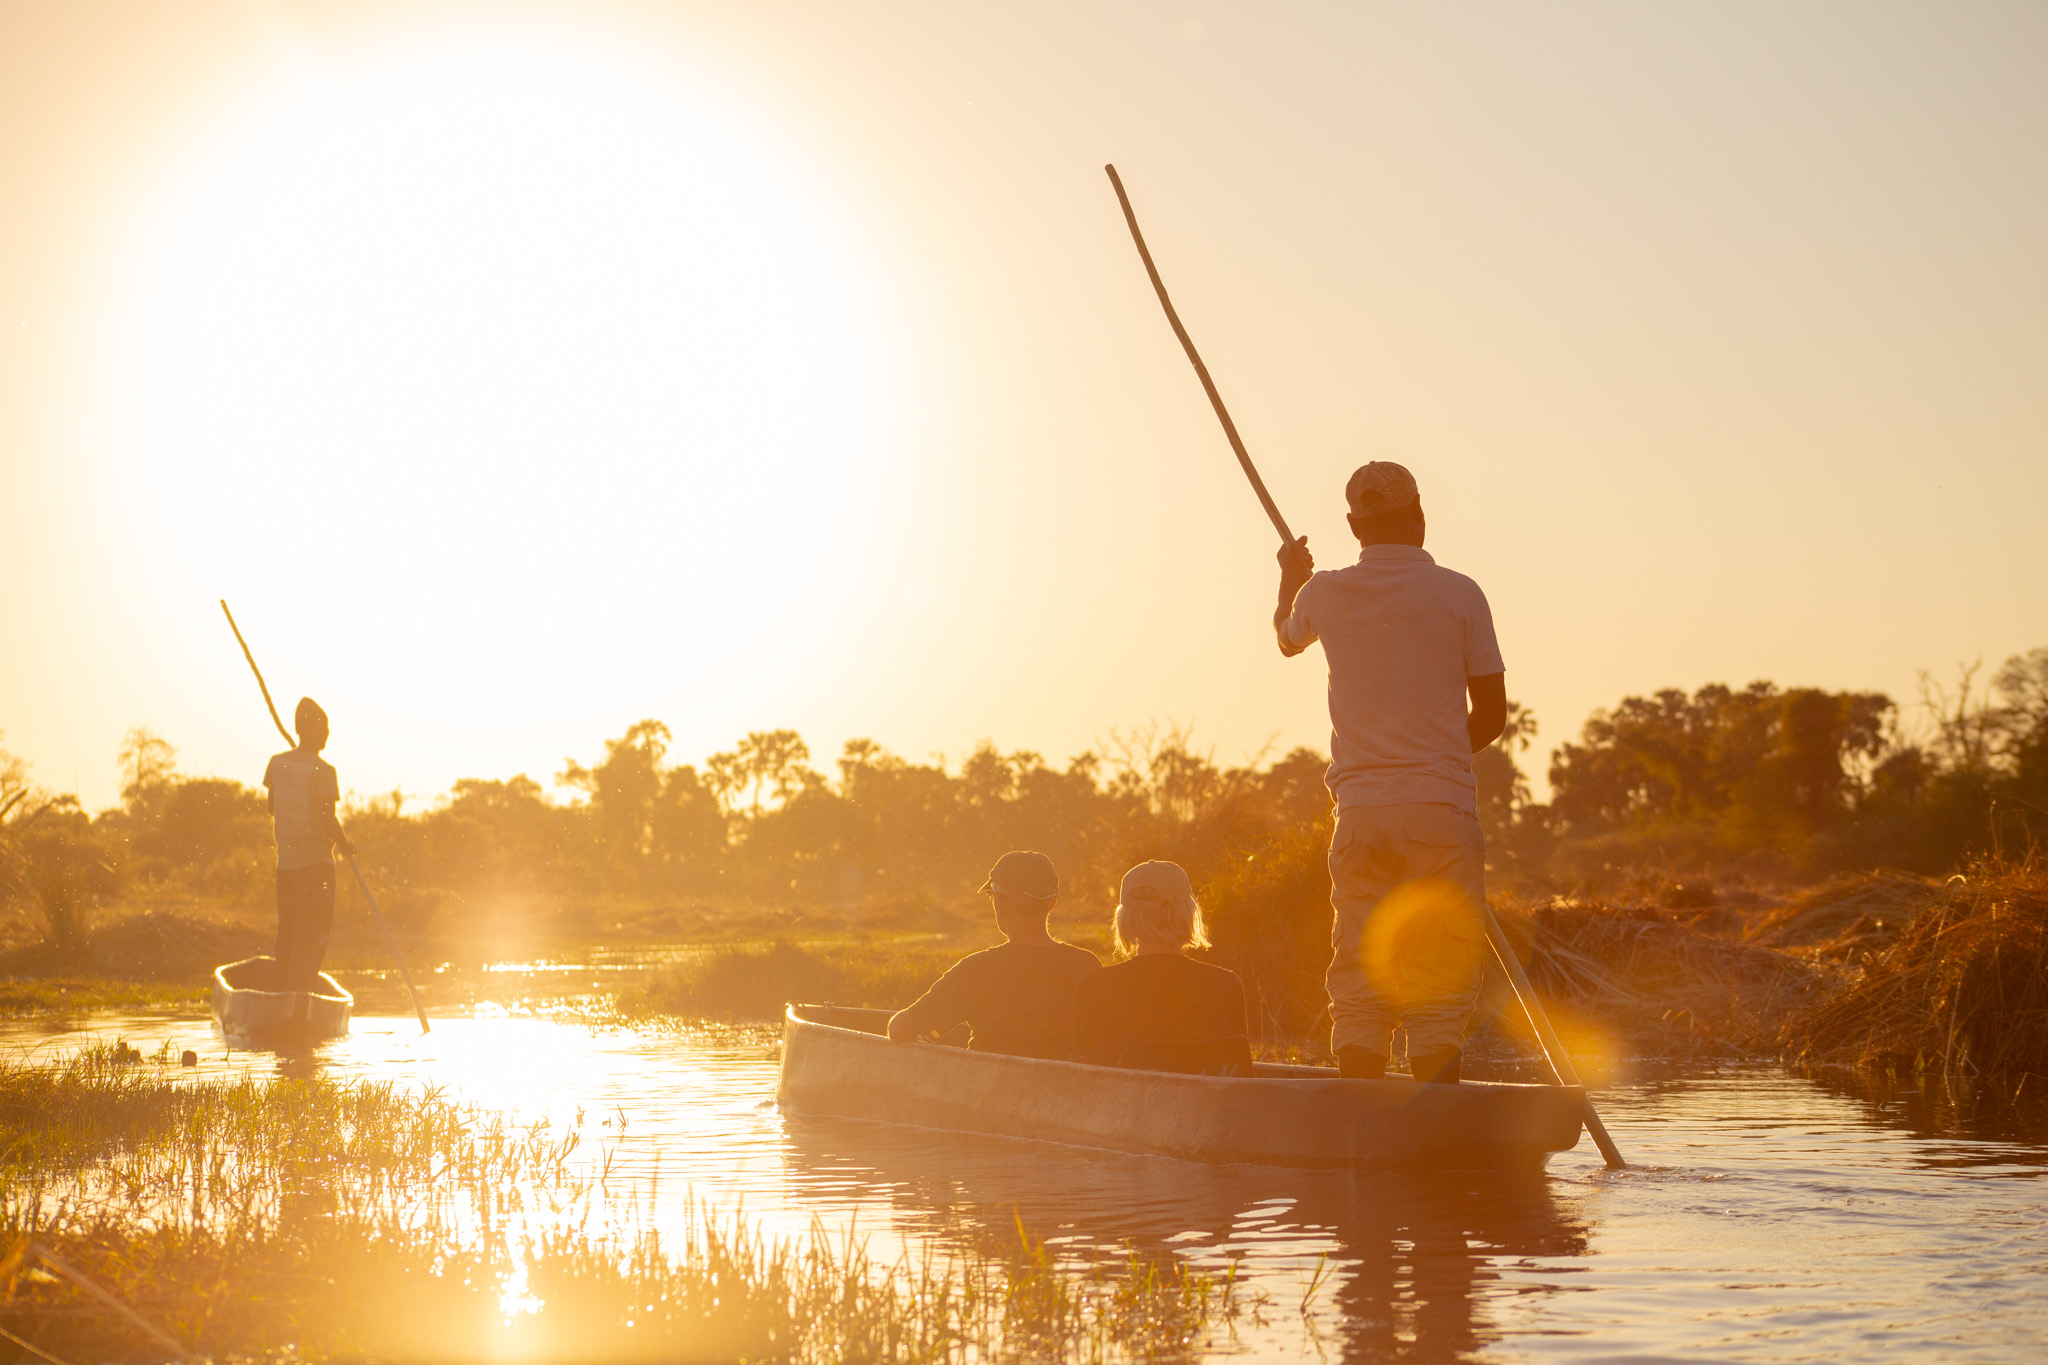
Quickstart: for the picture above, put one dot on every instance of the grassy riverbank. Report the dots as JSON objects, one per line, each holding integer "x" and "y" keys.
{"x": 1881, "y": 969}
{"x": 364, "y": 1221}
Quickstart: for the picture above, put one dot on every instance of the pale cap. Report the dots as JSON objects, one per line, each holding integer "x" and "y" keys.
{"x": 1157, "y": 883}
{"x": 1381, "y": 486}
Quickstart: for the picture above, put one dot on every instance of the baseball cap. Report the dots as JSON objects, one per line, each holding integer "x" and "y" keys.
{"x": 1381, "y": 486}
{"x": 1023, "y": 873}
{"x": 1155, "y": 881}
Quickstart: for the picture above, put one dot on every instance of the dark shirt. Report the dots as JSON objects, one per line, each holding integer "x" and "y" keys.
{"x": 1160, "y": 997}
{"x": 1017, "y": 997}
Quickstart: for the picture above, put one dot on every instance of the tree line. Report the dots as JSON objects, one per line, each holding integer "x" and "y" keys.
{"x": 1762, "y": 780}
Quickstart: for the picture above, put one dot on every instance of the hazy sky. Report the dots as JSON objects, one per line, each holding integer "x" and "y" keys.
{"x": 517, "y": 371}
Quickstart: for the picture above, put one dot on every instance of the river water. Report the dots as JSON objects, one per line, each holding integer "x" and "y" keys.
{"x": 1767, "y": 1216}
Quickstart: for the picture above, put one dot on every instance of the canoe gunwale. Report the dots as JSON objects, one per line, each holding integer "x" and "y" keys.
{"x": 1316, "y": 1120}
{"x": 339, "y": 996}
{"x": 250, "y": 1013}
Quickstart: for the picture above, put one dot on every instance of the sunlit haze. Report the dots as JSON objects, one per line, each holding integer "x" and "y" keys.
{"x": 518, "y": 372}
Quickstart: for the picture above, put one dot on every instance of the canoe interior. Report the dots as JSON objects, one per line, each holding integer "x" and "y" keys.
{"x": 877, "y": 1022}
{"x": 247, "y": 1006}
{"x": 833, "y": 1064}
{"x": 259, "y": 975}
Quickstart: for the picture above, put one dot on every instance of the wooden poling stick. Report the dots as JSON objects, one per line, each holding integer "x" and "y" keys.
{"x": 389, "y": 941}
{"x": 1201, "y": 370}
{"x": 1553, "y": 1047}
{"x": 261, "y": 686}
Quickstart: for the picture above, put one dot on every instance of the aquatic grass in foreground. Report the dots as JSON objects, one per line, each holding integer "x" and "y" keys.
{"x": 320, "y": 1219}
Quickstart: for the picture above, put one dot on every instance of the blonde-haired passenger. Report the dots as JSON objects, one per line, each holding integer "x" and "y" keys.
{"x": 1160, "y": 1009}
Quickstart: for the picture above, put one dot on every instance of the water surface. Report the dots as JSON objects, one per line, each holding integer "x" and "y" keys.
{"x": 1769, "y": 1217}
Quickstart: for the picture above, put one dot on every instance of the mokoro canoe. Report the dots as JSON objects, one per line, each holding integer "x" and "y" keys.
{"x": 834, "y": 1062}
{"x": 247, "y": 1009}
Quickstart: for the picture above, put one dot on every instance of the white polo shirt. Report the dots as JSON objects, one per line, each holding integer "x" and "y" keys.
{"x": 1401, "y": 634}
{"x": 302, "y": 792}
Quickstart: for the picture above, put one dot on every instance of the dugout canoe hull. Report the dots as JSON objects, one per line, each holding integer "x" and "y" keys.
{"x": 835, "y": 1063}
{"x": 249, "y": 1012}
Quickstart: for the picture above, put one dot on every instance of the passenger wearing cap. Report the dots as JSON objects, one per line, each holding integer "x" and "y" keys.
{"x": 1017, "y": 997}
{"x": 304, "y": 789}
{"x": 1408, "y": 642}
{"x": 1160, "y": 1009}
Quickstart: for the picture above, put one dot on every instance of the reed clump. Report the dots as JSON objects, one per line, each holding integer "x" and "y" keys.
{"x": 1963, "y": 986}
{"x": 1845, "y": 917}
{"x": 1671, "y": 987}
{"x": 317, "y": 1219}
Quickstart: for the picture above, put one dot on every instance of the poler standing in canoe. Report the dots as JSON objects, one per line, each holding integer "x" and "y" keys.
{"x": 304, "y": 789}
{"x": 1406, "y": 641}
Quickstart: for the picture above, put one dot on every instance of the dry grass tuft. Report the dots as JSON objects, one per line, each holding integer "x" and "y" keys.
{"x": 156, "y": 945}
{"x": 1650, "y": 975}
{"x": 1847, "y": 916}
{"x": 1964, "y": 986}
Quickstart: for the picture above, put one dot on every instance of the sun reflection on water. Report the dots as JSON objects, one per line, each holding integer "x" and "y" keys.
{"x": 661, "y": 1127}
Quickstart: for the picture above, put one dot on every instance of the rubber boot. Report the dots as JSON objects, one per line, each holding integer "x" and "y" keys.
{"x": 1360, "y": 1064}
{"x": 1440, "y": 1066}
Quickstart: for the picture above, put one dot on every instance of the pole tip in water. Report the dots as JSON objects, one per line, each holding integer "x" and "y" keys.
{"x": 188, "y": 1058}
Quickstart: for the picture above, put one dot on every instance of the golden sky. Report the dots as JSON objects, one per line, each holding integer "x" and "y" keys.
{"x": 519, "y": 370}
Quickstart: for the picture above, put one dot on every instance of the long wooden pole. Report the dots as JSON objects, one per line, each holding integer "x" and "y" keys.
{"x": 1553, "y": 1047}
{"x": 261, "y": 685}
{"x": 390, "y": 941}
{"x": 1201, "y": 370}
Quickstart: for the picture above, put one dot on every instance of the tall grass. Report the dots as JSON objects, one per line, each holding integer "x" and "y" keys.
{"x": 358, "y": 1219}
{"x": 1963, "y": 987}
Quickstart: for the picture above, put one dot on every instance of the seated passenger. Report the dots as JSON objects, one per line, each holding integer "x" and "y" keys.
{"x": 1160, "y": 1010}
{"x": 1018, "y": 997}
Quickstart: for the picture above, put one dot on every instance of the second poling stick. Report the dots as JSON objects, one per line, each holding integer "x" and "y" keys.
{"x": 392, "y": 943}
{"x": 1553, "y": 1047}
{"x": 389, "y": 940}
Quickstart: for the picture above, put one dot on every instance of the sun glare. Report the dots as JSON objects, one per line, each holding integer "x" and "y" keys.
{"x": 530, "y": 335}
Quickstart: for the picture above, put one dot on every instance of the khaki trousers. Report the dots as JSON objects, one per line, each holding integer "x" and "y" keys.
{"x": 1408, "y": 885}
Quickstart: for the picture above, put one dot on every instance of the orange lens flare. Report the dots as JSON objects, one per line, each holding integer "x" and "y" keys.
{"x": 1424, "y": 941}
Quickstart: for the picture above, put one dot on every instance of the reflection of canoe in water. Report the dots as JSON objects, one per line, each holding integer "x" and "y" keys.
{"x": 833, "y": 1063}
{"x": 249, "y": 1010}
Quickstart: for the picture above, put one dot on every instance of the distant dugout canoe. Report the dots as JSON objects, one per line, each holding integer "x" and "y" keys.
{"x": 835, "y": 1063}
{"x": 248, "y": 1010}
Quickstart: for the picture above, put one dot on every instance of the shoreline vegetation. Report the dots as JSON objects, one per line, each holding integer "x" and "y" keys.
{"x": 357, "y": 1219}
{"x": 1700, "y": 883}
{"x": 1700, "y": 886}
{"x": 1885, "y": 971}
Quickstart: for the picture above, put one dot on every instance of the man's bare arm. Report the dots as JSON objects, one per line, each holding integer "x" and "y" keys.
{"x": 910, "y": 1025}
{"x": 331, "y": 827}
{"x": 1297, "y": 566}
{"x": 1489, "y": 715}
